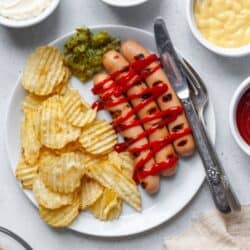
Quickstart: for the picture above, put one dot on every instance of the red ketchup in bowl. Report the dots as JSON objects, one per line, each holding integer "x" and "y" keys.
{"x": 243, "y": 116}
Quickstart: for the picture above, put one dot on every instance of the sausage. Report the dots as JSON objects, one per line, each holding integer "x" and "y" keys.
{"x": 150, "y": 183}
{"x": 184, "y": 146}
{"x": 113, "y": 61}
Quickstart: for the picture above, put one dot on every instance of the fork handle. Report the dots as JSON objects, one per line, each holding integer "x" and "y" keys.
{"x": 215, "y": 175}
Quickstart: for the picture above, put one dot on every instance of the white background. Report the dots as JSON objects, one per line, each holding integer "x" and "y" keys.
{"x": 222, "y": 76}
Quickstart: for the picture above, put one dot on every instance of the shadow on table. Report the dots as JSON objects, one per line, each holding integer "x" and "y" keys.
{"x": 38, "y": 34}
{"x": 143, "y": 13}
{"x": 236, "y": 66}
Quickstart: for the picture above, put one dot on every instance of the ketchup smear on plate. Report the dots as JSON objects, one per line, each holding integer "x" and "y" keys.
{"x": 243, "y": 116}
{"x": 134, "y": 73}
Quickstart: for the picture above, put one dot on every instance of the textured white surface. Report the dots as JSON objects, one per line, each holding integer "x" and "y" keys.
{"x": 222, "y": 76}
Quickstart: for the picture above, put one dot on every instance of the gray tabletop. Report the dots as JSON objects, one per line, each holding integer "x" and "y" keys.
{"x": 222, "y": 76}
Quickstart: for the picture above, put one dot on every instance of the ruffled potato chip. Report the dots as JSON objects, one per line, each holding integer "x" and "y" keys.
{"x": 74, "y": 146}
{"x": 26, "y": 173}
{"x": 91, "y": 190}
{"x": 64, "y": 174}
{"x": 111, "y": 177}
{"x": 32, "y": 103}
{"x": 108, "y": 206}
{"x": 90, "y": 160}
{"x": 49, "y": 199}
{"x": 77, "y": 112}
{"x": 67, "y": 155}
{"x": 44, "y": 70}
{"x": 124, "y": 161}
{"x": 47, "y": 157}
{"x": 61, "y": 217}
{"x": 30, "y": 137}
{"x": 63, "y": 87}
{"x": 98, "y": 138}
{"x": 56, "y": 132}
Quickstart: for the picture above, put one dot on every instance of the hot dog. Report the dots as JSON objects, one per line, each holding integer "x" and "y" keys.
{"x": 113, "y": 61}
{"x": 150, "y": 183}
{"x": 184, "y": 146}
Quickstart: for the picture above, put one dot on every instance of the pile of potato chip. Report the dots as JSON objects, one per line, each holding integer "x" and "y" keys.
{"x": 67, "y": 157}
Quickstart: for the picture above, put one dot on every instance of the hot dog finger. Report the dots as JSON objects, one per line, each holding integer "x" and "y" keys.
{"x": 150, "y": 183}
{"x": 134, "y": 51}
{"x": 142, "y": 99}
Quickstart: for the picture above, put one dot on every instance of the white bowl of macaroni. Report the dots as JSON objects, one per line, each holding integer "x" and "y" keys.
{"x": 24, "y": 13}
{"x": 221, "y": 26}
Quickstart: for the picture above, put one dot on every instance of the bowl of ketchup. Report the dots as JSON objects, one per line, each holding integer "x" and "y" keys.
{"x": 240, "y": 116}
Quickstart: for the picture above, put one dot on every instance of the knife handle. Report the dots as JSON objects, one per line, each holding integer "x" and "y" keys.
{"x": 215, "y": 175}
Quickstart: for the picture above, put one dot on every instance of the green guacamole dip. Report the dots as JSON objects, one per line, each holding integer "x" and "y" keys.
{"x": 83, "y": 52}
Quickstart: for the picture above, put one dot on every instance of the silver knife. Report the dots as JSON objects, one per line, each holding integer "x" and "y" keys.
{"x": 222, "y": 193}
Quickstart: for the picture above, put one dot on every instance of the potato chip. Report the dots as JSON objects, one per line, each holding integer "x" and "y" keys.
{"x": 90, "y": 160}
{"x": 108, "y": 206}
{"x": 49, "y": 199}
{"x": 43, "y": 71}
{"x": 124, "y": 161}
{"x": 56, "y": 132}
{"x": 30, "y": 137}
{"x": 76, "y": 111}
{"x": 111, "y": 177}
{"x": 70, "y": 147}
{"x": 64, "y": 174}
{"x": 26, "y": 173}
{"x": 91, "y": 190}
{"x": 67, "y": 155}
{"x": 63, "y": 87}
{"x": 32, "y": 103}
{"x": 47, "y": 157}
{"x": 61, "y": 217}
{"x": 98, "y": 138}
{"x": 115, "y": 211}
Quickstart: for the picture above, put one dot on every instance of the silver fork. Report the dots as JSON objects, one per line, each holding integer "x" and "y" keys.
{"x": 199, "y": 96}
{"x": 198, "y": 89}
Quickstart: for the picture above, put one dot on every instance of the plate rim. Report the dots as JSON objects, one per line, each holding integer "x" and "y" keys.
{"x": 133, "y": 4}
{"x": 71, "y": 227}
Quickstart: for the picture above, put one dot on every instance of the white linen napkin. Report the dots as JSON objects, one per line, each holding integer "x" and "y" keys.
{"x": 215, "y": 231}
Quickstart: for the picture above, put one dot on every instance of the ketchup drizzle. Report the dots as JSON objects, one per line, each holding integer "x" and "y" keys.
{"x": 136, "y": 72}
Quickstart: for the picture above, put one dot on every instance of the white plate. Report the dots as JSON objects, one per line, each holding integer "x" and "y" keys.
{"x": 175, "y": 193}
{"x": 124, "y": 3}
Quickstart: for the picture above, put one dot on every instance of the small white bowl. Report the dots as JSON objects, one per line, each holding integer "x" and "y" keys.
{"x": 124, "y": 3}
{"x": 240, "y": 91}
{"x": 237, "y": 52}
{"x": 32, "y": 21}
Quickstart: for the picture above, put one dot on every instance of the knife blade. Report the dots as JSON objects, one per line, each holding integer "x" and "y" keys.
{"x": 217, "y": 180}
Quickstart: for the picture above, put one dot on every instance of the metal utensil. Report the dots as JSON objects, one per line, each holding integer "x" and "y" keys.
{"x": 198, "y": 89}
{"x": 199, "y": 96}
{"x": 214, "y": 174}
{"x": 18, "y": 239}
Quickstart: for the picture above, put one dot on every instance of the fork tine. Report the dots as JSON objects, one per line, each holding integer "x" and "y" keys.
{"x": 190, "y": 77}
{"x": 194, "y": 79}
{"x": 198, "y": 80}
{"x": 193, "y": 87}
